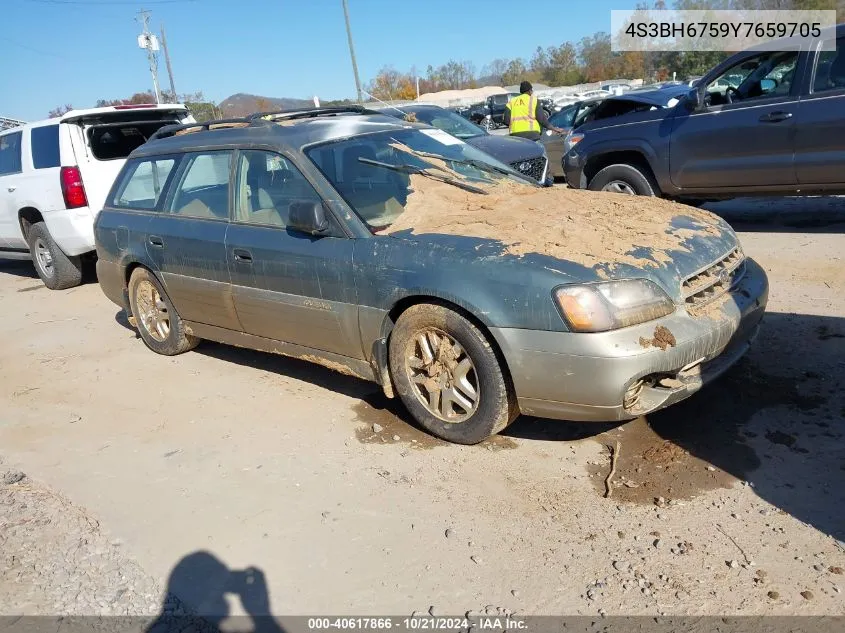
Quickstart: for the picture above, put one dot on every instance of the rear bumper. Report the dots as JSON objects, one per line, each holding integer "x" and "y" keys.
{"x": 585, "y": 377}
{"x": 72, "y": 229}
{"x": 112, "y": 282}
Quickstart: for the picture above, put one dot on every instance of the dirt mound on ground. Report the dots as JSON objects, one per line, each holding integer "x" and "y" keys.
{"x": 585, "y": 227}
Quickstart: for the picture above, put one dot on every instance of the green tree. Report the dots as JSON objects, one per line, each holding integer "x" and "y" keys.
{"x": 515, "y": 72}
{"x": 390, "y": 84}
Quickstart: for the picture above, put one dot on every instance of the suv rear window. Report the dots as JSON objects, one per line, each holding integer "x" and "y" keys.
{"x": 143, "y": 182}
{"x": 10, "y": 153}
{"x": 118, "y": 140}
{"x": 45, "y": 146}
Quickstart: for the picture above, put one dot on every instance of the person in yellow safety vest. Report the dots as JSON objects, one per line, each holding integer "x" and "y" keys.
{"x": 525, "y": 116}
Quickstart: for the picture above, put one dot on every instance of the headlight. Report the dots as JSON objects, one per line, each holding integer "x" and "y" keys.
{"x": 572, "y": 139}
{"x": 611, "y": 305}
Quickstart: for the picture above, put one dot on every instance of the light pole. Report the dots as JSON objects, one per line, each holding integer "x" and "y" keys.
{"x": 352, "y": 52}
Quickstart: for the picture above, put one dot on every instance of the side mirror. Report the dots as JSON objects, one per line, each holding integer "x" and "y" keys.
{"x": 694, "y": 100}
{"x": 307, "y": 216}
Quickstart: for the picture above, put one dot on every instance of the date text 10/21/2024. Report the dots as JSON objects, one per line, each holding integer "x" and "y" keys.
{"x": 418, "y": 623}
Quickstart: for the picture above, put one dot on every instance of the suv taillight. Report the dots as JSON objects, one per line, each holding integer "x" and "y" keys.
{"x": 72, "y": 188}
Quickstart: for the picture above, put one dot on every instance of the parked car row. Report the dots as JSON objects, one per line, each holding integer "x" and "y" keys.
{"x": 523, "y": 155}
{"x": 389, "y": 250}
{"x": 400, "y": 252}
{"x": 245, "y": 232}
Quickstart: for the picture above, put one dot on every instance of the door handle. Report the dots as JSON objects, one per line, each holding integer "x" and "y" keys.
{"x": 242, "y": 255}
{"x": 775, "y": 117}
{"x": 11, "y": 189}
{"x": 156, "y": 241}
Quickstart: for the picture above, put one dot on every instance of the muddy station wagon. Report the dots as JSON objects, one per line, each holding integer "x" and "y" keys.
{"x": 394, "y": 252}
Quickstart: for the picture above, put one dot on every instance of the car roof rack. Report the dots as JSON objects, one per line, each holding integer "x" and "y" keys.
{"x": 307, "y": 113}
{"x": 189, "y": 128}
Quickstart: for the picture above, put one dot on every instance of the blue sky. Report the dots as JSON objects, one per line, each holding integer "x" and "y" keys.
{"x": 77, "y": 51}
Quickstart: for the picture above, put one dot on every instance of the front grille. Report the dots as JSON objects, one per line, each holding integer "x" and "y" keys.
{"x": 532, "y": 167}
{"x": 714, "y": 281}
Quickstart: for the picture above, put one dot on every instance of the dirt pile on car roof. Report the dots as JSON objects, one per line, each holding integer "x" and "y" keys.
{"x": 585, "y": 227}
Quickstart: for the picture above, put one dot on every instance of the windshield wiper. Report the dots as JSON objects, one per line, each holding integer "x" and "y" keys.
{"x": 415, "y": 169}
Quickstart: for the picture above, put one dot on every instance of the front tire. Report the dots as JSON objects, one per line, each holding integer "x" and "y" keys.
{"x": 624, "y": 178}
{"x": 157, "y": 321}
{"x": 448, "y": 375}
{"x": 57, "y": 270}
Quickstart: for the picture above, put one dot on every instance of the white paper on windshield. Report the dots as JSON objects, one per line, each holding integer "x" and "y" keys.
{"x": 442, "y": 137}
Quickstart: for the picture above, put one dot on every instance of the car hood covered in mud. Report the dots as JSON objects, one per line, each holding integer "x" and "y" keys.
{"x": 579, "y": 235}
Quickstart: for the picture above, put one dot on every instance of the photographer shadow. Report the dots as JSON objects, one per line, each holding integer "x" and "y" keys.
{"x": 196, "y": 598}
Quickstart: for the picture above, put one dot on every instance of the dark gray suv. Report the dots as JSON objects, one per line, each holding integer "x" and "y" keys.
{"x": 762, "y": 122}
{"x": 397, "y": 253}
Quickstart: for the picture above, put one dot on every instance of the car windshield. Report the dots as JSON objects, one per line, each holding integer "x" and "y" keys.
{"x": 373, "y": 171}
{"x": 573, "y": 115}
{"x": 502, "y": 99}
{"x": 565, "y": 117}
{"x": 448, "y": 121}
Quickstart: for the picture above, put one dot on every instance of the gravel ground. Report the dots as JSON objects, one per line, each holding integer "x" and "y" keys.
{"x": 56, "y": 558}
{"x": 226, "y": 481}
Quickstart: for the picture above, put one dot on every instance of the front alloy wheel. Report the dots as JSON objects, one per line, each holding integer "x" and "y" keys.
{"x": 443, "y": 376}
{"x": 448, "y": 375}
{"x": 619, "y": 186}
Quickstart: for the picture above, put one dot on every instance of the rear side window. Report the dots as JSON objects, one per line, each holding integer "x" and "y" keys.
{"x": 45, "y": 146}
{"x": 10, "y": 153}
{"x": 143, "y": 183}
{"x": 830, "y": 69}
{"x": 203, "y": 189}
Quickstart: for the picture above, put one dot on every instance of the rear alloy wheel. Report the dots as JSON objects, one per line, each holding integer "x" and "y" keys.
{"x": 56, "y": 270}
{"x": 623, "y": 178}
{"x": 448, "y": 375}
{"x": 158, "y": 323}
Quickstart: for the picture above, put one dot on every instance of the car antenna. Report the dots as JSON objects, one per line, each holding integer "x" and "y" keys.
{"x": 405, "y": 115}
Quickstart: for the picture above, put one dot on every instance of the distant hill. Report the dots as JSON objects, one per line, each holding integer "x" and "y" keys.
{"x": 241, "y": 104}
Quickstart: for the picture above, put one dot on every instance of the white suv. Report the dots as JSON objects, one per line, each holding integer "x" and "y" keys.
{"x": 54, "y": 177}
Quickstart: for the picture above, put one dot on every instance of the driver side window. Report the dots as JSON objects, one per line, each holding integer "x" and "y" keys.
{"x": 766, "y": 75}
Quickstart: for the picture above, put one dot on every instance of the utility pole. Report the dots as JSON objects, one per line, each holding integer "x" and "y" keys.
{"x": 352, "y": 52}
{"x": 149, "y": 42}
{"x": 167, "y": 62}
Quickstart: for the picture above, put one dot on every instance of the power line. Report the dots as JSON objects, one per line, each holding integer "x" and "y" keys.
{"x": 30, "y": 48}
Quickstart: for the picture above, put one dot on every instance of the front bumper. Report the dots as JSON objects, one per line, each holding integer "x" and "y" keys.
{"x": 572, "y": 164}
{"x": 585, "y": 377}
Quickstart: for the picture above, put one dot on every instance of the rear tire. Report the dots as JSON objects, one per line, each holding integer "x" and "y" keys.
{"x": 473, "y": 397}
{"x": 624, "y": 178}
{"x": 57, "y": 270}
{"x": 157, "y": 321}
